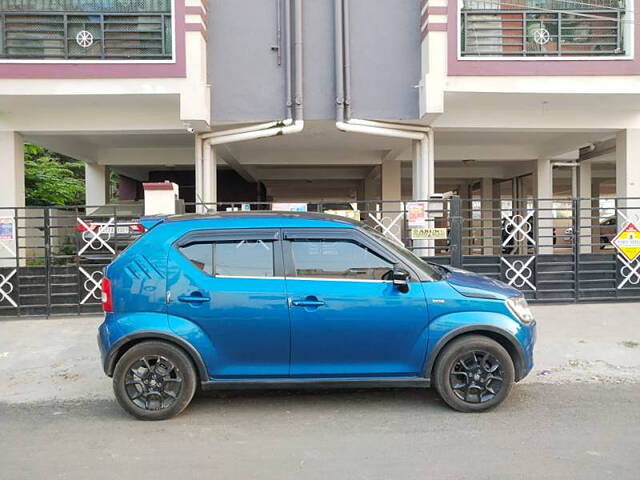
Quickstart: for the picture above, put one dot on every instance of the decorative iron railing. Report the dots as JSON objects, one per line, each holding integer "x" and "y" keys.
{"x": 90, "y": 29}
{"x": 534, "y": 28}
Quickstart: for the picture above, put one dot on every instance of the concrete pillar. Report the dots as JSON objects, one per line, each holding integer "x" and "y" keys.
{"x": 11, "y": 195}
{"x": 464, "y": 190}
{"x": 628, "y": 173}
{"x": 543, "y": 181}
{"x": 372, "y": 185}
{"x": 585, "y": 207}
{"x": 12, "y": 164}
{"x": 391, "y": 180}
{"x": 199, "y": 182}
{"x": 490, "y": 216}
{"x": 209, "y": 176}
{"x": 423, "y": 173}
{"x": 95, "y": 182}
{"x": 391, "y": 185}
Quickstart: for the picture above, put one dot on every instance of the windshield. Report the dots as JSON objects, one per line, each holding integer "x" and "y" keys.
{"x": 407, "y": 255}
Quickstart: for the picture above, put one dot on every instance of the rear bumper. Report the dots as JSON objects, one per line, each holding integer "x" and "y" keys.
{"x": 108, "y": 334}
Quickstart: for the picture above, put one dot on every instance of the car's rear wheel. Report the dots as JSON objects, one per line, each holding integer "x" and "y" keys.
{"x": 474, "y": 373}
{"x": 154, "y": 380}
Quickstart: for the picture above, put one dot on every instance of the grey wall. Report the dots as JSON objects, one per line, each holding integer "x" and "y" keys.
{"x": 248, "y": 85}
{"x": 385, "y": 58}
{"x": 319, "y": 75}
{"x": 246, "y": 82}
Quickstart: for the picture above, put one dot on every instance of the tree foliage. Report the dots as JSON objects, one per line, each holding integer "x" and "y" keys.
{"x": 52, "y": 179}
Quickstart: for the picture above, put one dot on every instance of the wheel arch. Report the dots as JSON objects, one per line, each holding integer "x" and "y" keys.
{"x": 125, "y": 343}
{"x": 504, "y": 338}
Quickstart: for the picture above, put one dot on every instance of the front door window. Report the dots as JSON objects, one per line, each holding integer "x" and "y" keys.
{"x": 337, "y": 259}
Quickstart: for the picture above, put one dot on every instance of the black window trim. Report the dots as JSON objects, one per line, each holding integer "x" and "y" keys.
{"x": 349, "y": 234}
{"x": 265, "y": 234}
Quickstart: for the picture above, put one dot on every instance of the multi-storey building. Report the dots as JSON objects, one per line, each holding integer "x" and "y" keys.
{"x": 506, "y": 87}
{"x": 504, "y": 102}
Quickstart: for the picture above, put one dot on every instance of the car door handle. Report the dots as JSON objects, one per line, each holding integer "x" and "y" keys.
{"x": 193, "y": 298}
{"x": 307, "y": 302}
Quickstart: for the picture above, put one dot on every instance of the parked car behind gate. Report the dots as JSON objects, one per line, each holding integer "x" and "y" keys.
{"x": 108, "y": 229}
{"x": 274, "y": 299}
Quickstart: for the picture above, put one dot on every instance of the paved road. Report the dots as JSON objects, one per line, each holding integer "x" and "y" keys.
{"x": 542, "y": 431}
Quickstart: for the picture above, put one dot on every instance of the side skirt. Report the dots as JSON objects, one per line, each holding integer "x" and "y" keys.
{"x": 312, "y": 383}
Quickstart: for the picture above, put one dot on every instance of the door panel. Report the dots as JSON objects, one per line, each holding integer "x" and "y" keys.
{"x": 346, "y": 320}
{"x": 362, "y": 328}
{"x": 246, "y": 318}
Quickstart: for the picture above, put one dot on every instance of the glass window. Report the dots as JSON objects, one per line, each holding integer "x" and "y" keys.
{"x": 343, "y": 259}
{"x": 244, "y": 258}
{"x": 201, "y": 255}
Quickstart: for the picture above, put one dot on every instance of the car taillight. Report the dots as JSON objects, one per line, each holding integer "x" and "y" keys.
{"x": 107, "y": 296}
{"x": 136, "y": 227}
{"x": 81, "y": 228}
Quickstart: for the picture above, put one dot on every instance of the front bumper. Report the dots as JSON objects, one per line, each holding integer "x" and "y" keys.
{"x": 528, "y": 341}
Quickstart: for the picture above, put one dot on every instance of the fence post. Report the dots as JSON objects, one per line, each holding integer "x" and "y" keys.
{"x": 47, "y": 256}
{"x": 576, "y": 247}
{"x": 455, "y": 235}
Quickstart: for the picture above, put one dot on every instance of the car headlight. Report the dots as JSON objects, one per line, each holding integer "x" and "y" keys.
{"x": 520, "y": 309}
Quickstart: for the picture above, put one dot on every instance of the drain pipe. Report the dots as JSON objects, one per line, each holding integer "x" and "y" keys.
{"x": 423, "y": 170}
{"x": 294, "y": 123}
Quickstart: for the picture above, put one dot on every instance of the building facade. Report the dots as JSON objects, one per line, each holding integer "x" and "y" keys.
{"x": 526, "y": 111}
{"x": 507, "y": 93}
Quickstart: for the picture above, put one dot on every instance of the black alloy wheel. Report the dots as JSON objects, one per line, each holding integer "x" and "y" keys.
{"x": 473, "y": 373}
{"x": 154, "y": 380}
{"x": 476, "y": 377}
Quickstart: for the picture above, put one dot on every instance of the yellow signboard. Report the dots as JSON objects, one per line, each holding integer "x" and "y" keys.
{"x": 627, "y": 242}
{"x": 428, "y": 233}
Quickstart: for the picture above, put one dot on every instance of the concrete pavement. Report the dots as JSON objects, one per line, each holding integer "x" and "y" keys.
{"x": 576, "y": 416}
{"x": 58, "y": 358}
{"x": 569, "y": 431}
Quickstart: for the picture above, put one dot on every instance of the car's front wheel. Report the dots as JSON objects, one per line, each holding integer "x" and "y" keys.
{"x": 154, "y": 380}
{"x": 474, "y": 373}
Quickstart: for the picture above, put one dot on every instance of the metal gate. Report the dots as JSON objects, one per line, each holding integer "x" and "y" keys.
{"x": 554, "y": 250}
{"x": 51, "y": 258}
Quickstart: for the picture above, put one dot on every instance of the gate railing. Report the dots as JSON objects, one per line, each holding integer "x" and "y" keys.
{"x": 553, "y": 250}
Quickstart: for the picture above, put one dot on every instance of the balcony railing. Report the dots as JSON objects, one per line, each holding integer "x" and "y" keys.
{"x": 537, "y": 28}
{"x": 85, "y": 29}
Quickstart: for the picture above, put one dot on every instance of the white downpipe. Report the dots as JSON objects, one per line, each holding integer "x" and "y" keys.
{"x": 423, "y": 164}
{"x": 287, "y": 127}
{"x": 274, "y": 128}
{"x": 348, "y": 126}
{"x": 399, "y": 126}
{"x": 233, "y": 131}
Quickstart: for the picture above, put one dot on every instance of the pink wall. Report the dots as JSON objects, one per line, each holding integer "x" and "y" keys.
{"x": 533, "y": 67}
{"x": 129, "y": 69}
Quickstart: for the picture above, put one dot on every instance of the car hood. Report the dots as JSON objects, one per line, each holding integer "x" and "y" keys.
{"x": 471, "y": 284}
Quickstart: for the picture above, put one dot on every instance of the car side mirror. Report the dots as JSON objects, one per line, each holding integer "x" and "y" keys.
{"x": 401, "y": 279}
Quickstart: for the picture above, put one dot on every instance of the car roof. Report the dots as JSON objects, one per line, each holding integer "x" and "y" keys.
{"x": 264, "y": 219}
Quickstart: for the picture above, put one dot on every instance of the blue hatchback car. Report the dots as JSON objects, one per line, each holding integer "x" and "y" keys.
{"x": 271, "y": 299}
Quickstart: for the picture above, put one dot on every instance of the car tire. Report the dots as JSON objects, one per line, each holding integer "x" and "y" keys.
{"x": 154, "y": 380}
{"x": 469, "y": 385}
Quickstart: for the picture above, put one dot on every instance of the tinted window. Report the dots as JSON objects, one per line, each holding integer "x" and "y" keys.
{"x": 201, "y": 255}
{"x": 337, "y": 259}
{"x": 244, "y": 258}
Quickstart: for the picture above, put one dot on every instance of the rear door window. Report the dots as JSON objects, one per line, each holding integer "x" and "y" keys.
{"x": 243, "y": 258}
{"x": 252, "y": 253}
{"x": 201, "y": 255}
